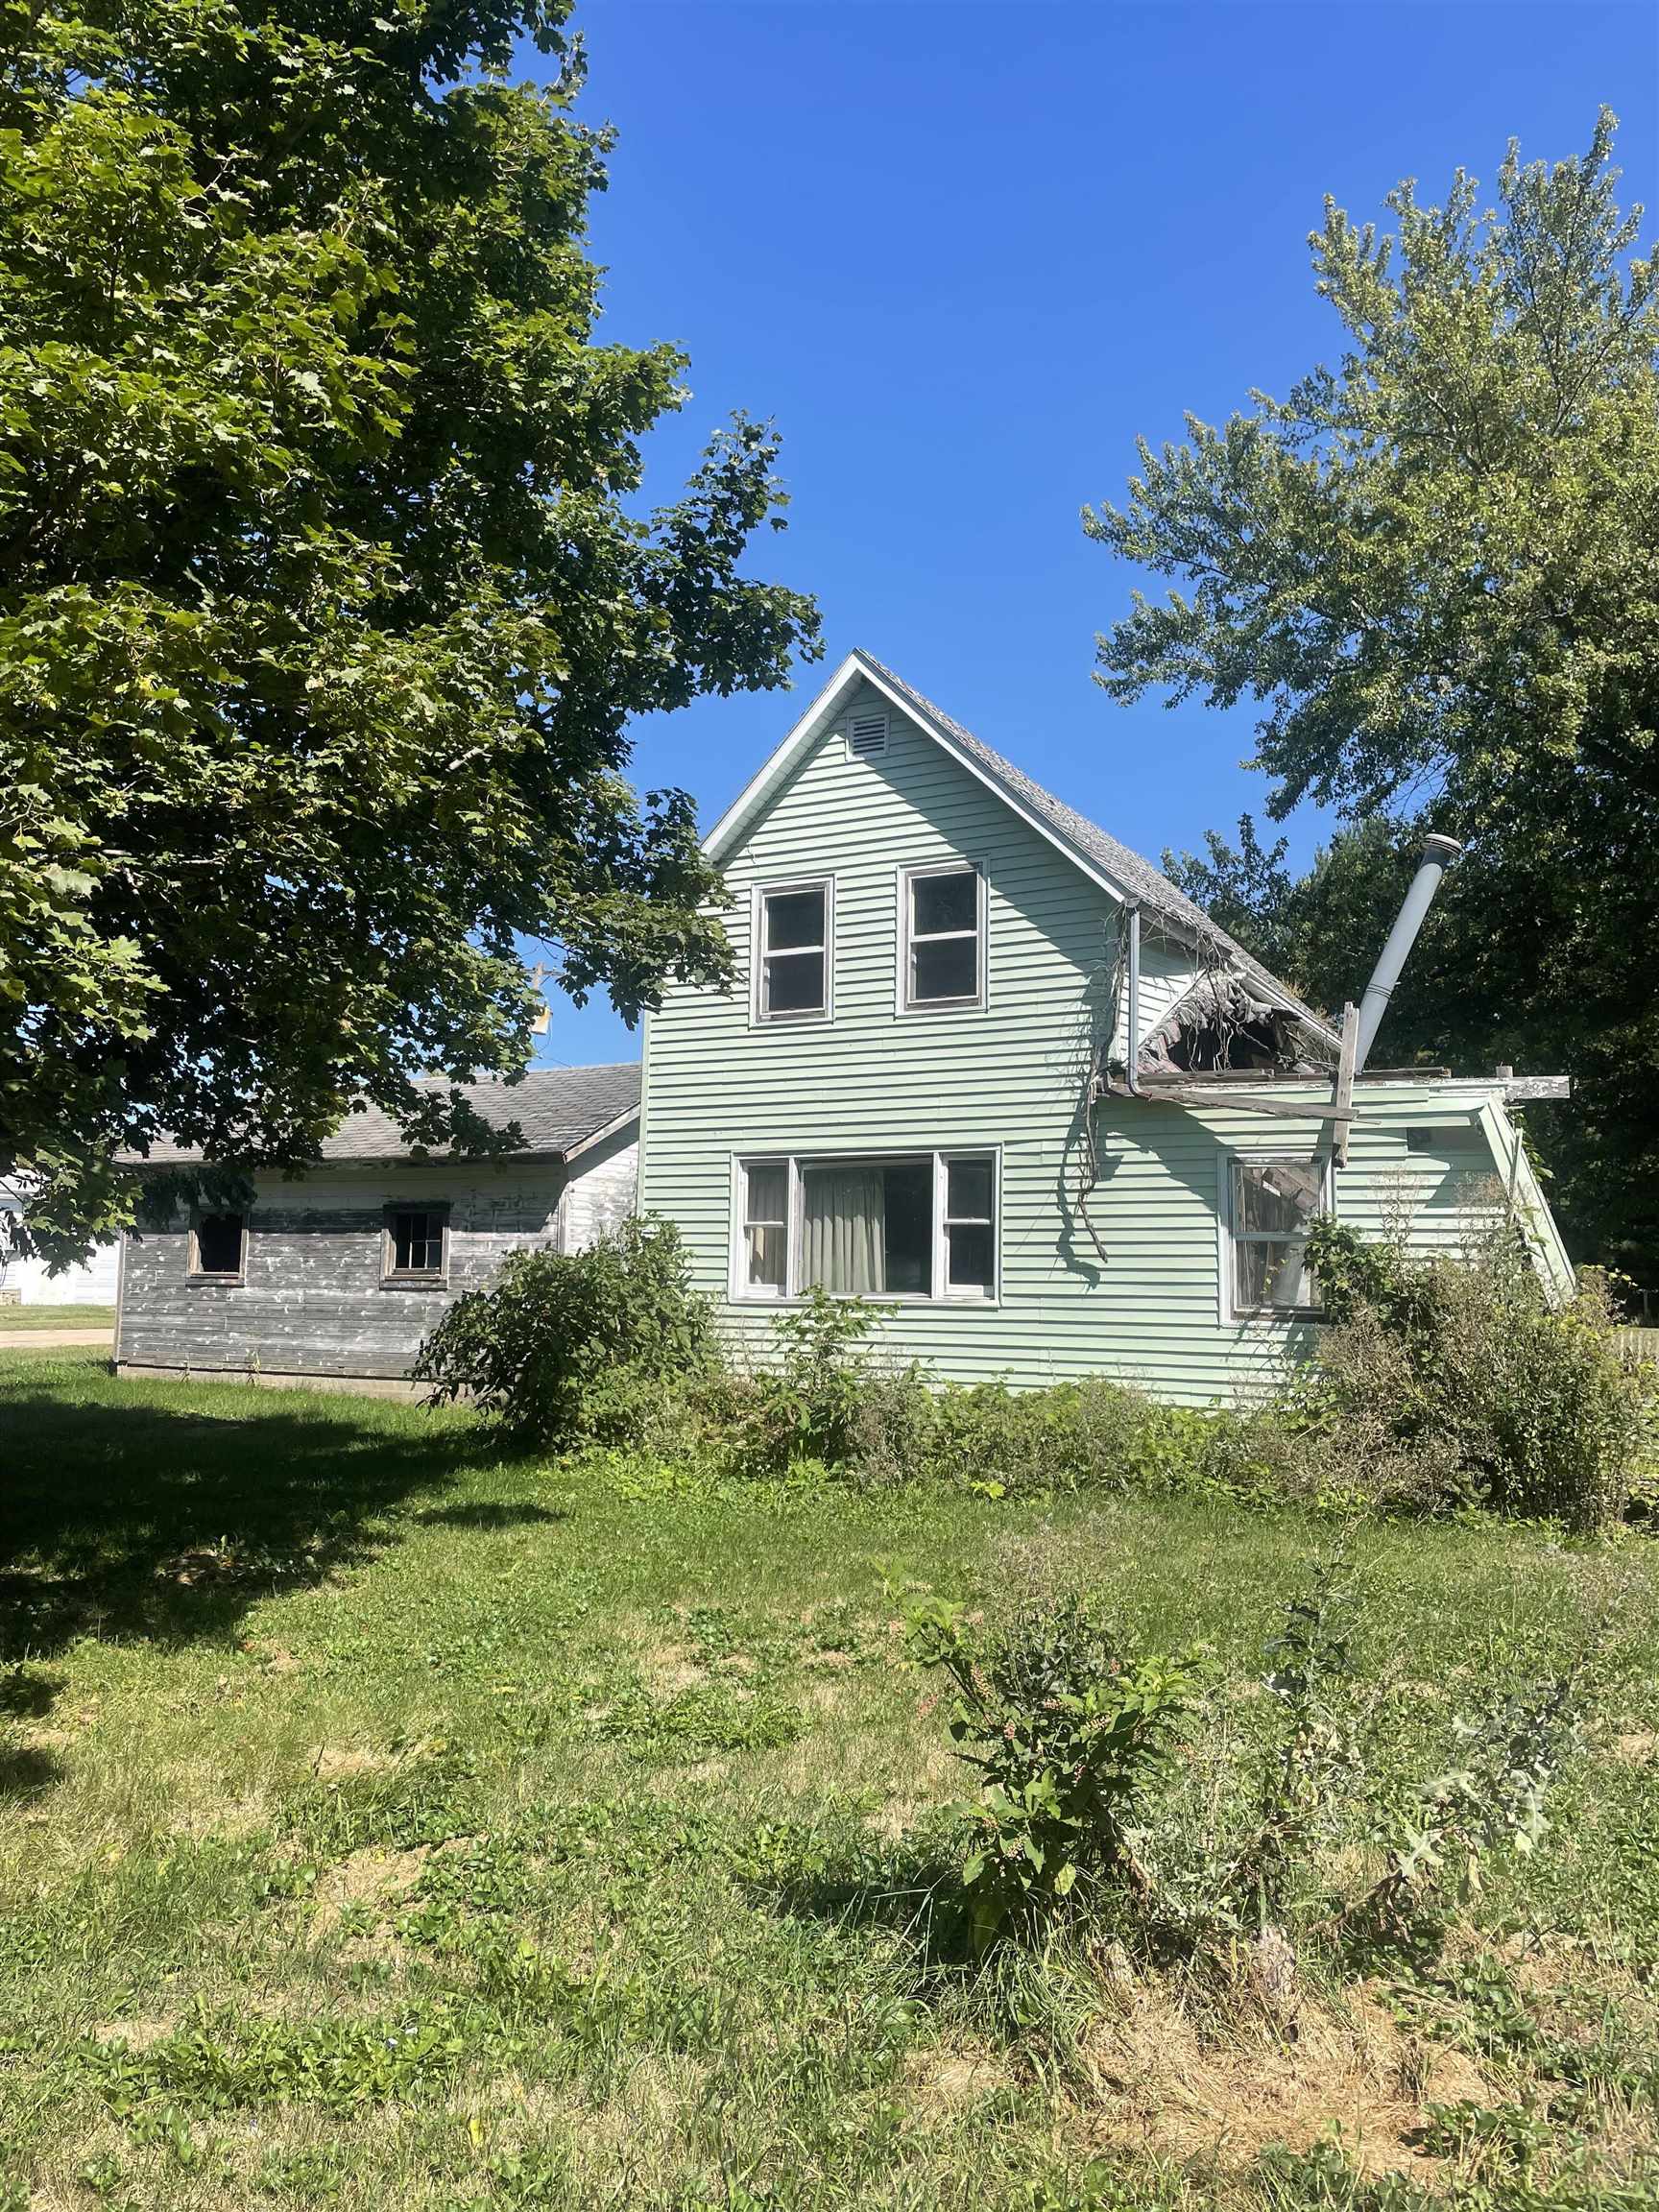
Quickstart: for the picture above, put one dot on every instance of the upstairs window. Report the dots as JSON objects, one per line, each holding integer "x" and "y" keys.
{"x": 1275, "y": 1203}
{"x": 218, "y": 1247}
{"x": 792, "y": 924}
{"x": 417, "y": 1244}
{"x": 944, "y": 949}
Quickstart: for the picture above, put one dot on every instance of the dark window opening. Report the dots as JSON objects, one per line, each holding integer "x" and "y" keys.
{"x": 416, "y": 1241}
{"x": 908, "y": 1229}
{"x": 219, "y": 1243}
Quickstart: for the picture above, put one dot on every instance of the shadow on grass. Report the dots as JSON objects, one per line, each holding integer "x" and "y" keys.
{"x": 911, "y": 1887}
{"x": 120, "y": 1517}
{"x": 490, "y": 1513}
{"x": 26, "y": 1772}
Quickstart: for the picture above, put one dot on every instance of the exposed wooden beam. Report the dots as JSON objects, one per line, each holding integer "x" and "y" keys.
{"x": 1344, "y": 1097}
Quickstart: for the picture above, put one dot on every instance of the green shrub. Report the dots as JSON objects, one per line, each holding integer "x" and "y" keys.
{"x": 1452, "y": 1380}
{"x": 1065, "y": 1732}
{"x": 1092, "y": 1434}
{"x": 569, "y": 1346}
{"x": 829, "y": 1398}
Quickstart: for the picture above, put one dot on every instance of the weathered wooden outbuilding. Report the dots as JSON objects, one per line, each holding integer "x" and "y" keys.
{"x": 342, "y": 1272}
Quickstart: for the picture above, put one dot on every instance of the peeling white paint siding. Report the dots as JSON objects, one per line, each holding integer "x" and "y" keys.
{"x": 312, "y": 1301}
{"x": 603, "y": 1192}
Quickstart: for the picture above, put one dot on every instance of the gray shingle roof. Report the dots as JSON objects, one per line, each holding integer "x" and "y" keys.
{"x": 556, "y": 1108}
{"x": 1141, "y": 881}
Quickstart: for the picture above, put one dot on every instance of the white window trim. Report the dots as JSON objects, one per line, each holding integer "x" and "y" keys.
{"x": 903, "y": 1003}
{"x": 759, "y": 1018}
{"x": 1229, "y": 1310}
{"x": 741, "y": 1293}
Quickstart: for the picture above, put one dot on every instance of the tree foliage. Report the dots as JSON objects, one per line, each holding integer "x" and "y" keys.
{"x": 1436, "y": 567}
{"x": 325, "y": 597}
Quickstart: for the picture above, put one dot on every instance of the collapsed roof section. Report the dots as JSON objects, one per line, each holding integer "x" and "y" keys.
{"x": 1225, "y": 1023}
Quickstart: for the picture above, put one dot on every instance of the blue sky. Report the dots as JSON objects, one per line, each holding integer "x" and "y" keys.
{"x": 964, "y": 253}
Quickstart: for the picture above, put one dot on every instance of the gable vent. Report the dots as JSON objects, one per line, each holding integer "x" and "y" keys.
{"x": 867, "y": 736}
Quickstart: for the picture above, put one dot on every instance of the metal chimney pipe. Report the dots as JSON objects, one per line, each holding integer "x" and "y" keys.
{"x": 1438, "y": 853}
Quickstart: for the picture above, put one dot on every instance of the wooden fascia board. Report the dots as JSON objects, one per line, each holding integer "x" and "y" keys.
{"x": 599, "y": 1136}
{"x": 1525, "y": 1199}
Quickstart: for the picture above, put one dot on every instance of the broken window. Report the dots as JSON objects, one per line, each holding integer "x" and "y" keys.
{"x": 217, "y": 1243}
{"x": 1275, "y": 1203}
{"x": 415, "y": 1242}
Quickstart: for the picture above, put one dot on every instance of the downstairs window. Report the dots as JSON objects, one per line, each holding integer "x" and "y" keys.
{"x": 910, "y": 1226}
{"x": 1275, "y": 1203}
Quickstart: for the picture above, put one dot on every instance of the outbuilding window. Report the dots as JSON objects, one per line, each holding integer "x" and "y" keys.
{"x": 1274, "y": 1203}
{"x": 907, "y": 1226}
{"x": 415, "y": 1245}
{"x": 218, "y": 1247}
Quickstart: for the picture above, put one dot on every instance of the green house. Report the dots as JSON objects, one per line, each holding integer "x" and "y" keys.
{"x": 921, "y": 1086}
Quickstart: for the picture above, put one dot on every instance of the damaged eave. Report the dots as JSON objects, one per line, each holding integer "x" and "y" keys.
{"x": 1227, "y": 1009}
{"x": 1244, "y": 1088}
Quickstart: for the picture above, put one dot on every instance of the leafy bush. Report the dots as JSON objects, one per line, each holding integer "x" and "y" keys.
{"x": 566, "y": 1346}
{"x": 1321, "y": 1813}
{"x": 1454, "y": 1382}
{"x": 1073, "y": 1435}
{"x": 1065, "y": 1731}
{"x": 829, "y": 1398}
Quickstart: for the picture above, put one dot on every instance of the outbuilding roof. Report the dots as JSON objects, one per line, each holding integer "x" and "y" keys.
{"x": 558, "y": 1110}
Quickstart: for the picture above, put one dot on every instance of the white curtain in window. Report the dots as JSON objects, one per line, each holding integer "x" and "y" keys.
{"x": 845, "y": 1217}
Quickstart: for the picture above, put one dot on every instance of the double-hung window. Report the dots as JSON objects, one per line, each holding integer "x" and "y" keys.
{"x": 1274, "y": 1203}
{"x": 793, "y": 932}
{"x": 943, "y": 953}
{"x": 764, "y": 1259}
{"x": 919, "y": 1225}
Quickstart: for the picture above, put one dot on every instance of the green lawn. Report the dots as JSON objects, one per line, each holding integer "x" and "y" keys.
{"x": 19, "y": 1320}
{"x": 383, "y": 1823}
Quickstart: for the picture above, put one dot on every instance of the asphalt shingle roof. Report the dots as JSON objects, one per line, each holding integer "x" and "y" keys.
{"x": 556, "y": 1108}
{"x": 1137, "y": 876}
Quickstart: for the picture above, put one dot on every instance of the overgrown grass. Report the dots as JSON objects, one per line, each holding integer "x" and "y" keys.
{"x": 386, "y": 1823}
{"x": 25, "y": 1320}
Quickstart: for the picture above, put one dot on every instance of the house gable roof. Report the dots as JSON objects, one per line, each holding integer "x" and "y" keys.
{"x": 560, "y": 1111}
{"x": 1122, "y": 873}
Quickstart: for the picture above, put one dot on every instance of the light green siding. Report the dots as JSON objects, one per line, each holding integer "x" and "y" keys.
{"x": 1010, "y": 1076}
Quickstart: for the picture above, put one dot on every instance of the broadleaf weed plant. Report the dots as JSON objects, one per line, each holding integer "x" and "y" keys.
{"x": 1065, "y": 1731}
